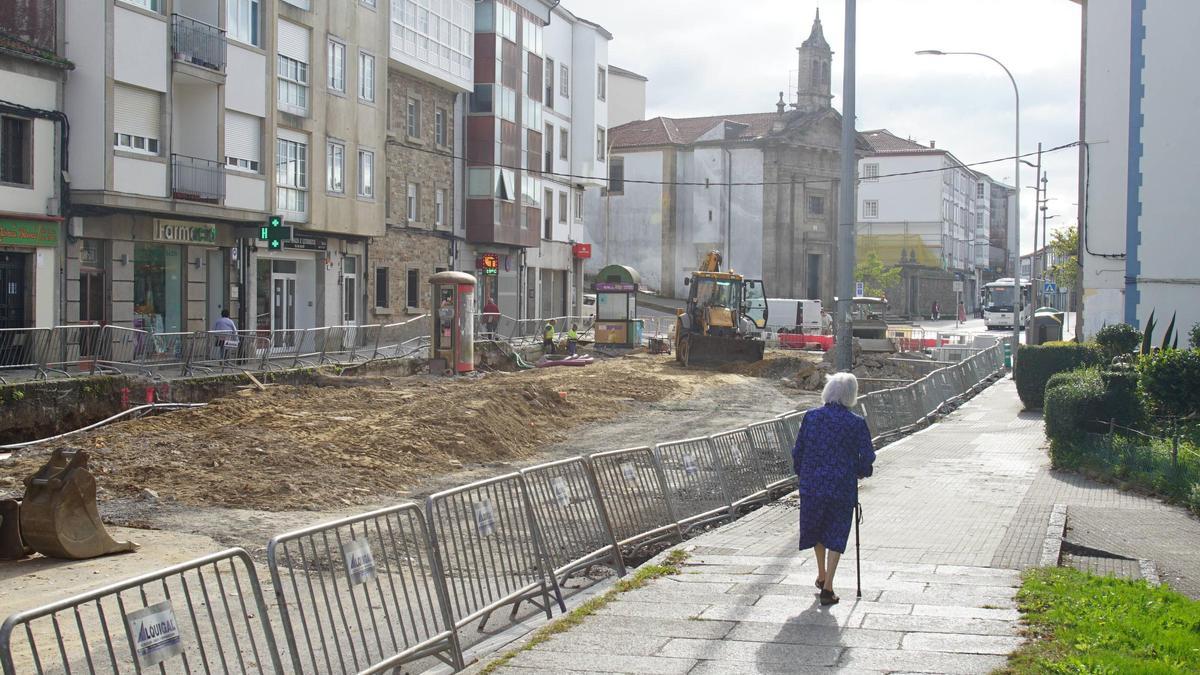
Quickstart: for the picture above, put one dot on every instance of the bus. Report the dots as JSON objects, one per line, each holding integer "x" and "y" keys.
{"x": 998, "y": 303}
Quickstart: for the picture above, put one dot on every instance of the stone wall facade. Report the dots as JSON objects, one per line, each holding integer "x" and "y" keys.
{"x": 415, "y": 244}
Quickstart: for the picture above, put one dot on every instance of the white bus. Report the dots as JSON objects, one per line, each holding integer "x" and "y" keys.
{"x": 998, "y": 303}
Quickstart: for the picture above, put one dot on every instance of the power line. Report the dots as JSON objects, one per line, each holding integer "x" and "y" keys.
{"x": 817, "y": 181}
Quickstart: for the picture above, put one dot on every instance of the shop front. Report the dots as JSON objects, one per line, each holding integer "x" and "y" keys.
{"x": 27, "y": 264}
{"x": 498, "y": 273}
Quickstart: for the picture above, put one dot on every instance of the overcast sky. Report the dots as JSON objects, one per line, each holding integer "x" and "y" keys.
{"x": 708, "y": 57}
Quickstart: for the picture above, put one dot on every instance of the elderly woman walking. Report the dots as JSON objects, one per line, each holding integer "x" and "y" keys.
{"x": 833, "y": 451}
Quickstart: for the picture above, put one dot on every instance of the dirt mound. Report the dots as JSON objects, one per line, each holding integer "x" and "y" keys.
{"x": 291, "y": 447}
{"x": 803, "y": 372}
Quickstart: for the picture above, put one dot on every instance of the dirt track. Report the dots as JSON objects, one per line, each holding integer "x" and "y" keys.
{"x": 323, "y": 448}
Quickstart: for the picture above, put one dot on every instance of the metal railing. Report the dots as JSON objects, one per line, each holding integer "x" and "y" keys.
{"x": 198, "y": 43}
{"x": 207, "y": 615}
{"x": 368, "y": 593}
{"x": 197, "y": 179}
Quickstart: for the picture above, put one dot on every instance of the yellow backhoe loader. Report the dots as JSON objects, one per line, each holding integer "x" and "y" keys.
{"x": 724, "y": 312}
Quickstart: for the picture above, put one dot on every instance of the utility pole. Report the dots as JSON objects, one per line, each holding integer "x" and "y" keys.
{"x": 1037, "y": 202}
{"x": 846, "y": 210}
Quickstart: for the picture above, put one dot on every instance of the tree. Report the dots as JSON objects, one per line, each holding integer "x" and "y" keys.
{"x": 1064, "y": 245}
{"x": 877, "y": 278}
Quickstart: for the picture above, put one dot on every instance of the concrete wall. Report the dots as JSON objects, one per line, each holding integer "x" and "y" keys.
{"x": 627, "y": 229}
{"x": 246, "y": 82}
{"x": 140, "y": 54}
{"x": 29, "y": 89}
{"x": 1139, "y": 167}
{"x": 626, "y": 99}
{"x": 86, "y": 87}
{"x": 717, "y": 217}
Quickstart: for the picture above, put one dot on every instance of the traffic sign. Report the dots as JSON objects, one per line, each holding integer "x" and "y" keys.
{"x": 1050, "y": 287}
{"x": 859, "y": 289}
{"x": 958, "y": 287}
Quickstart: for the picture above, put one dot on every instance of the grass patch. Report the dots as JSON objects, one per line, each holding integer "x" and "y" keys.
{"x": 1083, "y": 623}
{"x": 644, "y": 575}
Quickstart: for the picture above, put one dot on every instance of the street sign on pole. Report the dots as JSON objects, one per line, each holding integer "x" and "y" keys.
{"x": 859, "y": 289}
{"x": 1050, "y": 288}
{"x": 958, "y": 287}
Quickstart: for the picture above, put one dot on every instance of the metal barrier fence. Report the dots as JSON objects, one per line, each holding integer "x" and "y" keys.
{"x": 695, "y": 482}
{"x": 488, "y": 549}
{"x": 634, "y": 494}
{"x": 207, "y": 616}
{"x": 359, "y": 595}
{"x": 368, "y": 593}
{"x": 575, "y": 530}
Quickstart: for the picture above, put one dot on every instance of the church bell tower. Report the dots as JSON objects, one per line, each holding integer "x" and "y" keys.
{"x": 816, "y": 59}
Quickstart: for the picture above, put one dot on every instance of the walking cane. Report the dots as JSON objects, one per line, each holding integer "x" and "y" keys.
{"x": 858, "y": 546}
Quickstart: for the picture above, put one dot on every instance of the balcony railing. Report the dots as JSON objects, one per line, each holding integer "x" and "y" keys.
{"x": 197, "y": 180}
{"x": 198, "y": 43}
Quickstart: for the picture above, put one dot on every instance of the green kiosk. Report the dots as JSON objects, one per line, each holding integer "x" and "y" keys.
{"x": 616, "y": 288}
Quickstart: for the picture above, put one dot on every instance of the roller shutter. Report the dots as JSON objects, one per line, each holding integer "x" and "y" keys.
{"x": 136, "y": 111}
{"x": 243, "y": 136}
{"x": 293, "y": 41}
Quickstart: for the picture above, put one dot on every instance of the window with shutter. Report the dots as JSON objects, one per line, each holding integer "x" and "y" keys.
{"x": 293, "y": 55}
{"x": 136, "y": 114}
{"x": 243, "y": 141}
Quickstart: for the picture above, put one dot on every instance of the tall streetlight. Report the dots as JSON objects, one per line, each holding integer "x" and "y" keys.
{"x": 1015, "y": 255}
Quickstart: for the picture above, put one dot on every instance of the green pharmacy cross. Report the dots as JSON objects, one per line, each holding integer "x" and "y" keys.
{"x": 275, "y": 233}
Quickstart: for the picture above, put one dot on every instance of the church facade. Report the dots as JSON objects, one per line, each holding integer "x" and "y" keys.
{"x": 759, "y": 187}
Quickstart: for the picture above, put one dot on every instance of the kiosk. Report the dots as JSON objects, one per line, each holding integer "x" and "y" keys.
{"x": 453, "y": 347}
{"x": 616, "y": 289}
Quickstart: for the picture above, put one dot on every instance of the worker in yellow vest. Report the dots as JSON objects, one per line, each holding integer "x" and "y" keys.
{"x": 572, "y": 339}
{"x": 548, "y": 338}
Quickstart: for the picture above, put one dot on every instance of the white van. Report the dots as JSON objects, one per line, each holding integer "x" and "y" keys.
{"x": 789, "y": 315}
{"x": 589, "y": 306}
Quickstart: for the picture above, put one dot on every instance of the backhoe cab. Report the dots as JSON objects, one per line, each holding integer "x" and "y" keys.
{"x": 724, "y": 312}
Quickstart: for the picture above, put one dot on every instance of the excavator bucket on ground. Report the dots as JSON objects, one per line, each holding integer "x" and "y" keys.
{"x": 11, "y": 546}
{"x": 711, "y": 350}
{"x": 59, "y": 517}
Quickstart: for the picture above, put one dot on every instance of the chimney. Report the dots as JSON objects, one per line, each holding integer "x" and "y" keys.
{"x": 932, "y": 145}
{"x": 780, "y": 106}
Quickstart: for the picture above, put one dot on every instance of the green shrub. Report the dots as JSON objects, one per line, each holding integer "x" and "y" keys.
{"x": 1118, "y": 340}
{"x": 1194, "y": 335}
{"x": 1036, "y": 364}
{"x": 1170, "y": 381}
{"x": 1074, "y": 401}
{"x": 1122, "y": 402}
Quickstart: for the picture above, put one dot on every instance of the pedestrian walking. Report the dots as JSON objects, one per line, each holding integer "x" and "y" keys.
{"x": 832, "y": 452}
{"x": 935, "y": 312}
{"x": 962, "y": 311}
{"x": 548, "y": 338}
{"x": 573, "y": 339}
{"x": 225, "y": 331}
{"x": 491, "y": 317}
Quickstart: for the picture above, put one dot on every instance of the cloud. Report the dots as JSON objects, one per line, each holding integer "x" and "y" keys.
{"x": 708, "y": 57}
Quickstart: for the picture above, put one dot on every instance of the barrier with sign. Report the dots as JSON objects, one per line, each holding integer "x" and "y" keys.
{"x": 574, "y": 526}
{"x": 633, "y": 492}
{"x": 359, "y": 594}
{"x": 207, "y": 615}
{"x": 488, "y": 549}
{"x": 739, "y": 463}
{"x": 695, "y": 482}
{"x": 774, "y": 455}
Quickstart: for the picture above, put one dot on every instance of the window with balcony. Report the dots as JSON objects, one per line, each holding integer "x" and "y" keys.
{"x": 601, "y": 143}
{"x": 335, "y": 167}
{"x": 602, "y": 84}
{"x": 414, "y": 118}
{"x": 291, "y": 175}
{"x": 337, "y": 66}
{"x": 870, "y": 208}
{"x": 152, "y": 5}
{"x": 243, "y": 134}
{"x": 136, "y": 114}
{"x": 366, "y": 173}
{"x": 366, "y": 77}
{"x": 16, "y": 150}
{"x": 242, "y": 21}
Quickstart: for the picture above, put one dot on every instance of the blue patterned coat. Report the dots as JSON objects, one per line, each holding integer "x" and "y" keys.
{"x": 833, "y": 450}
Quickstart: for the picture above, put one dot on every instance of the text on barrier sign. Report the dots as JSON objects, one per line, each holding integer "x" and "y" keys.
{"x": 562, "y": 491}
{"x": 360, "y": 562}
{"x": 690, "y": 467}
{"x": 628, "y": 471}
{"x": 485, "y": 518}
{"x": 155, "y": 634}
{"x": 736, "y": 453}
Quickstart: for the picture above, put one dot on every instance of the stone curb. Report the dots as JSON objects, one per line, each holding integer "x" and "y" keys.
{"x": 1149, "y": 571}
{"x": 1052, "y": 544}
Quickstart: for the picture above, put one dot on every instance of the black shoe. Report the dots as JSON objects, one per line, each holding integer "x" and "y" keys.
{"x": 828, "y": 598}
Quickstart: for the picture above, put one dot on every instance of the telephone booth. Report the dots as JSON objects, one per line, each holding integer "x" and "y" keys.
{"x": 453, "y": 348}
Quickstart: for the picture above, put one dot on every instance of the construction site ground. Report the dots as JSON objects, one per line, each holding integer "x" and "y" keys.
{"x": 264, "y": 461}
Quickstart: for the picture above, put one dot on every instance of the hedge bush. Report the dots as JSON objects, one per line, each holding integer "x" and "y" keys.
{"x": 1037, "y": 363}
{"x": 1122, "y": 401}
{"x": 1118, "y": 340}
{"x": 1170, "y": 381}
{"x": 1074, "y": 400}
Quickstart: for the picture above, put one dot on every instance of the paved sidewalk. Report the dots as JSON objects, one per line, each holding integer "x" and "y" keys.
{"x": 950, "y": 517}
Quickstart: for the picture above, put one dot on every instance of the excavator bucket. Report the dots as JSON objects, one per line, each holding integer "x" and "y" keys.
{"x": 59, "y": 517}
{"x": 11, "y": 546}
{"x": 709, "y": 350}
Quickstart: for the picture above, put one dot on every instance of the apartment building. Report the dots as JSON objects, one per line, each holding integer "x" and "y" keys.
{"x": 574, "y": 148}
{"x": 32, "y": 183}
{"x": 929, "y": 221}
{"x": 430, "y": 71}
{"x": 192, "y": 121}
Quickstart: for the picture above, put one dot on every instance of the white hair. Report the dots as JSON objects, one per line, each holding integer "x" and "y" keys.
{"x": 841, "y": 388}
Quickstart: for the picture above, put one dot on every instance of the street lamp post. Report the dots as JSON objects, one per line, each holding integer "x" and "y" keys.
{"x": 1015, "y": 255}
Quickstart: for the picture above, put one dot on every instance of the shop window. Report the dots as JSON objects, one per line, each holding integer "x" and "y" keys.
{"x": 158, "y": 291}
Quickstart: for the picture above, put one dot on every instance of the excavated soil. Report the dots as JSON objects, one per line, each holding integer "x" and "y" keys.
{"x": 308, "y": 447}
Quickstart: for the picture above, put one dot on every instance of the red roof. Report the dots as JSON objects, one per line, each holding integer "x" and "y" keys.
{"x": 884, "y": 142}
{"x": 685, "y": 131}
